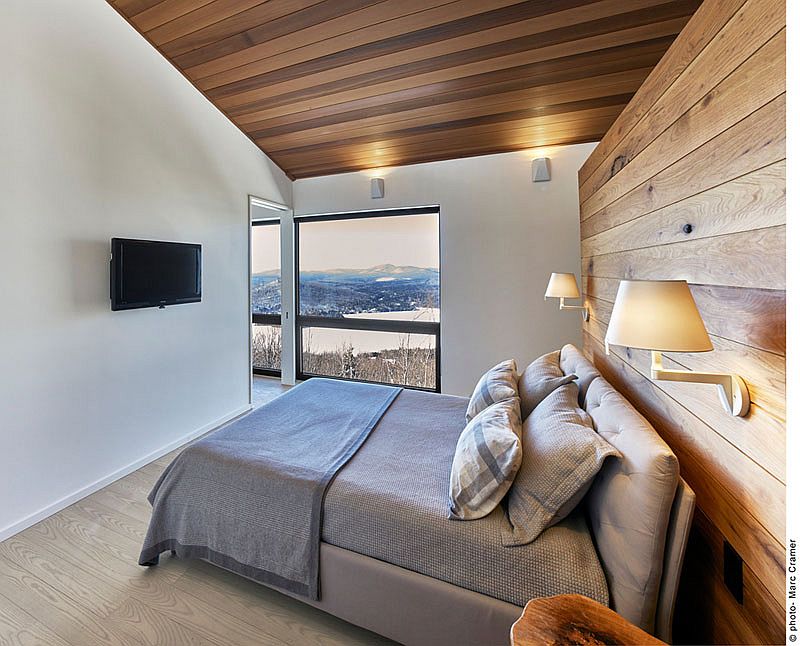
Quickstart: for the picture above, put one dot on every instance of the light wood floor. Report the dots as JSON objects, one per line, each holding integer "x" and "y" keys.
{"x": 73, "y": 579}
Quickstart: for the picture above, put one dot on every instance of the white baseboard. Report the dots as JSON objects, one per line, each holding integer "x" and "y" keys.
{"x": 14, "y": 528}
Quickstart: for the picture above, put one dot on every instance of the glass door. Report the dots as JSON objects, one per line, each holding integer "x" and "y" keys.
{"x": 265, "y": 296}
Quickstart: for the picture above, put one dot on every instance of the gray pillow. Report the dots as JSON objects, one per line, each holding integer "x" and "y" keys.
{"x": 539, "y": 379}
{"x": 573, "y": 360}
{"x": 561, "y": 456}
{"x": 488, "y": 455}
{"x": 496, "y": 385}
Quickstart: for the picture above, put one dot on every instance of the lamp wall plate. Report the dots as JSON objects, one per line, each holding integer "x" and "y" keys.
{"x": 540, "y": 169}
{"x": 376, "y": 188}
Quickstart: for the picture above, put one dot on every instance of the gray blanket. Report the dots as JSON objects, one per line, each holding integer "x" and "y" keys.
{"x": 249, "y": 496}
{"x": 391, "y": 503}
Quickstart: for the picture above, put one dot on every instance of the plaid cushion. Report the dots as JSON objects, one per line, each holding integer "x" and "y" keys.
{"x": 498, "y": 384}
{"x": 562, "y": 453}
{"x": 488, "y": 454}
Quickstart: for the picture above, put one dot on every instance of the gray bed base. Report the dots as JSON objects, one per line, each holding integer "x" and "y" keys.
{"x": 419, "y": 610}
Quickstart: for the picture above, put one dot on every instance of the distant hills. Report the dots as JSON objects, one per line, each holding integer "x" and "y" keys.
{"x": 378, "y": 271}
{"x": 341, "y": 291}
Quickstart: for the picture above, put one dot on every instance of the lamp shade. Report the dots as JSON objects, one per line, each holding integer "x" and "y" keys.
{"x": 562, "y": 286}
{"x": 657, "y": 315}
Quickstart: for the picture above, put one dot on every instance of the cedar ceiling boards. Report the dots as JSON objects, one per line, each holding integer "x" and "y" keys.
{"x": 329, "y": 86}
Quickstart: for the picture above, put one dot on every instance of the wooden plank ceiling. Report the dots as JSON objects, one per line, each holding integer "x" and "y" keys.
{"x": 329, "y": 86}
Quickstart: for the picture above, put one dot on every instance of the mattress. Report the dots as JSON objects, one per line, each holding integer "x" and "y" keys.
{"x": 390, "y": 503}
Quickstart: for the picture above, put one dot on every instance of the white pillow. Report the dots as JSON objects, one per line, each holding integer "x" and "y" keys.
{"x": 487, "y": 457}
{"x": 496, "y": 385}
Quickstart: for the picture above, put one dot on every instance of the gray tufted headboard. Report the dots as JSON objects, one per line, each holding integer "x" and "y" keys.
{"x": 639, "y": 508}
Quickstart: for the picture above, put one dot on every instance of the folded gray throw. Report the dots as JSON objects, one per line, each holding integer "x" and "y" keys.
{"x": 249, "y": 496}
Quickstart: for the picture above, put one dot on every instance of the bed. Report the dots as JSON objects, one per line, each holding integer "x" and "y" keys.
{"x": 382, "y": 552}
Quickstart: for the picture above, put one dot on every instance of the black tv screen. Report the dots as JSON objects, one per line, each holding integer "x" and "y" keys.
{"x": 148, "y": 273}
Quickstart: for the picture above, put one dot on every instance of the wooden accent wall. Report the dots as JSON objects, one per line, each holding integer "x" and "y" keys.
{"x": 689, "y": 183}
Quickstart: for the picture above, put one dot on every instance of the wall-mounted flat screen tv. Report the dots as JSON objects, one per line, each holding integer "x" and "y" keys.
{"x": 149, "y": 273}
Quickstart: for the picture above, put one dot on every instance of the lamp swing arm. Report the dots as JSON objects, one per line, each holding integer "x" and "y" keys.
{"x": 733, "y": 391}
{"x": 582, "y": 308}
{"x": 563, "y": 306}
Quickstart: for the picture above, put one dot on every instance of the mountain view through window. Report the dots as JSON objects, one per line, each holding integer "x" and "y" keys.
{"x": 266, "y": 297}
{"x": 369, "y": 297}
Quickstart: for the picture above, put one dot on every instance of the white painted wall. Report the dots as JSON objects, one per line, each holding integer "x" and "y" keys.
{"x": 101, "y": 138}
{"x": 501, "y": 236}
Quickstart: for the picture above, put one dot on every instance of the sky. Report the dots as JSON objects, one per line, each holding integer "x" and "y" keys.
{"x": 356, "y": 243}
{"x": 266, "y": 247}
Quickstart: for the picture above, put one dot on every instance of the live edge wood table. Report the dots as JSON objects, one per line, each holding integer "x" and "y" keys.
{"x": 572, "y": 619}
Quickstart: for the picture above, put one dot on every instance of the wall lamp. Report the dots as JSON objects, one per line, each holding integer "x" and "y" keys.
{"x": 563, "y": 286}
{"x": 376, "y": 188}
{"x": 661, "y": 316}
{"x": 540, "y": 169}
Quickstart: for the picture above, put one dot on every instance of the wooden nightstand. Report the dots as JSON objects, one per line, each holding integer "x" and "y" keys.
{"x": 574, "y": 619}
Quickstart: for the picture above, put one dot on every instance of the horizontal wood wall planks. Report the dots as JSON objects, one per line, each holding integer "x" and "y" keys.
{"x": 689, "y": 183}
{"x": 328, "y": 86}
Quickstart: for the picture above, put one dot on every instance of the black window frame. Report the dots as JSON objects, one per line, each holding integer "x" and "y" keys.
{"x": 432, "y": 328}
{"x": 265, "y": 319}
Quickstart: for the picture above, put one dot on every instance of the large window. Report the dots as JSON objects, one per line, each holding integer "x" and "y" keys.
{"x": 368, "y": 297}
{"x": 266, "y": 297}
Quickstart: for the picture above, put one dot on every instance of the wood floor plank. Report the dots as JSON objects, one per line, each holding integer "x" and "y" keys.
{"x": 59, "y": 612}
{"x": 75, "y": 581}
{"x": 150, "y": 627}
{"x": 135, "y": 485}
{"x": 133, "y": 504}
{"x": 102, "y": 551}
{"x": 18, "y": 628}
{"x": 211, "y": 622}
{"x": 116, "y": 520}
{"x": 113, "y": 560}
